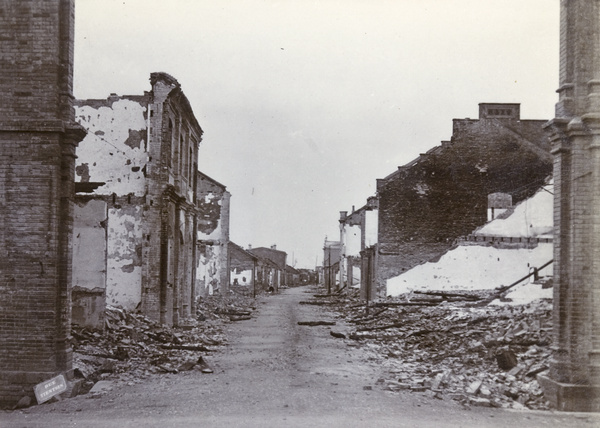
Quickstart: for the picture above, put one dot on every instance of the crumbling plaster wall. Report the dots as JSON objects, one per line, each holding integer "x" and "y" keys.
{"x": 124, "y": 256}
{"x": 209, "y": 219}
{"x": 212, "y": 272}
{"x": 207, "y": 272}
{"x": 114, "y": 150}
{"x": 89, "y": 261}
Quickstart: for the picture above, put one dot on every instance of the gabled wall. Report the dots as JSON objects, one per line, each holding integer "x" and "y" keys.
{"x": 427, "y": 204}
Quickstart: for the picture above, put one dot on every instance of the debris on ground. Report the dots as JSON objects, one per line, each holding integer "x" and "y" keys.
{"x": 316, "y": 323}
{"x": 454, "y": 345}
{"x": 132, "y": 347}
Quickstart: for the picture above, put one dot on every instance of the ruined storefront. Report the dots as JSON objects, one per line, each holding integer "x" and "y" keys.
{"x": 136, "y": 209}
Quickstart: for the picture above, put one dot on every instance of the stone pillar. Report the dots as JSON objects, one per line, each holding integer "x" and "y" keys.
{"x": 573, "y": 382}
{"x": 38, "y": 137}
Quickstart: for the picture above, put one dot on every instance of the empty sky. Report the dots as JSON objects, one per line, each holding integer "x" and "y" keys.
{"x": 304, "y": 104}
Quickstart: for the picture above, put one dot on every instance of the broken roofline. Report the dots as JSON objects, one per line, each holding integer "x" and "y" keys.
{"x": 176, "y": 94}
{"x": 212, "y": 180}
{"x": 270, "y": 249}
{"x": 245, "y": 252}
{"x": 438, "y": 148}
{"x": 179, "y": 96}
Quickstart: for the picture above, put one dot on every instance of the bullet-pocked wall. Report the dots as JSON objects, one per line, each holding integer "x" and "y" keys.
{"x": 427, "y": 204}
{"x": 38, "y": 137}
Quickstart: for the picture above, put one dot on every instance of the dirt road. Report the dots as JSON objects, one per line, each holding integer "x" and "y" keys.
{"x": 276, "y": 373}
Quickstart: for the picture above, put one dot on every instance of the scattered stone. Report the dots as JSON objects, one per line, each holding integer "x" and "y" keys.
{"x": 473, "y": 388}
{"x": 338, "y": 335}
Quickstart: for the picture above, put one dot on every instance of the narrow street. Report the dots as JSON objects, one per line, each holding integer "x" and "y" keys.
{"x": 277, "y": 373}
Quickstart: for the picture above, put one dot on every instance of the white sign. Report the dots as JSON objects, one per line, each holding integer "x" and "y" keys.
{"x": 46, "y": 390}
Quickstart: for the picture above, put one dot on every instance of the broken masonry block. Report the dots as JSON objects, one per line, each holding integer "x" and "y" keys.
{"x": 474, "y": 386}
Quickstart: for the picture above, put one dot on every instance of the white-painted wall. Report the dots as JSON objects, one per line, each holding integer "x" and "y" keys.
{"x": 371, "y": 225}
{"x": 124, "y": 272}
{"x": 104, "y": 151}
{"x": 352, "y": 240}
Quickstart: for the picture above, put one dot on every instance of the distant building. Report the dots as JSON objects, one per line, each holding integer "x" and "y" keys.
{"x": 136, "y": 214}
{"x": 244, "y": 269}
{"x": 442, "y": 195}
{"x": 332, "y": 252}
{"x": 292, "y": 276}
{"x": 274, "y": 266}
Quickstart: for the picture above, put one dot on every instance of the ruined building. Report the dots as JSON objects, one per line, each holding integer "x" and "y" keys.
{"x": 442, "y": 195}
{"x": 573, "y": 383}
{"x": 272, "y": 274}
{"x": 332, "y": 255}
{"x": 136, "y": 216}
{"x": 38, "y": 136}
{"x": 256, "y": 271}
{"x": 212, "y": 272}
{"x": 358, "y": 235}
{"x": 244, "y": 268}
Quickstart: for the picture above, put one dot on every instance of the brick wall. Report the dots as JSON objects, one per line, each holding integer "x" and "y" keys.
{"x": 425, "y": 206}
{"x": 38, "y": 139}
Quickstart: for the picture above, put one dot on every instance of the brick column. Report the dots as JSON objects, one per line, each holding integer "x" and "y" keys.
{"x": 38, "y": 137}
{"x": 591, "y": 122}
{"x": 573, "y": 382}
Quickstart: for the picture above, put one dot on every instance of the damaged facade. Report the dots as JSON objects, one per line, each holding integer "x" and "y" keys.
{"x": 258, "y": 270}
{"x": 136, "y": 215}
{"x": 427, "y": 204}
{"x": 212, "y": 271}
{"x": 358, "y": 233}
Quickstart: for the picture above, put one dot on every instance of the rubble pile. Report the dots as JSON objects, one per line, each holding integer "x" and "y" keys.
{"x": 465, "y": 349}
{"x": 132, "y": 347}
